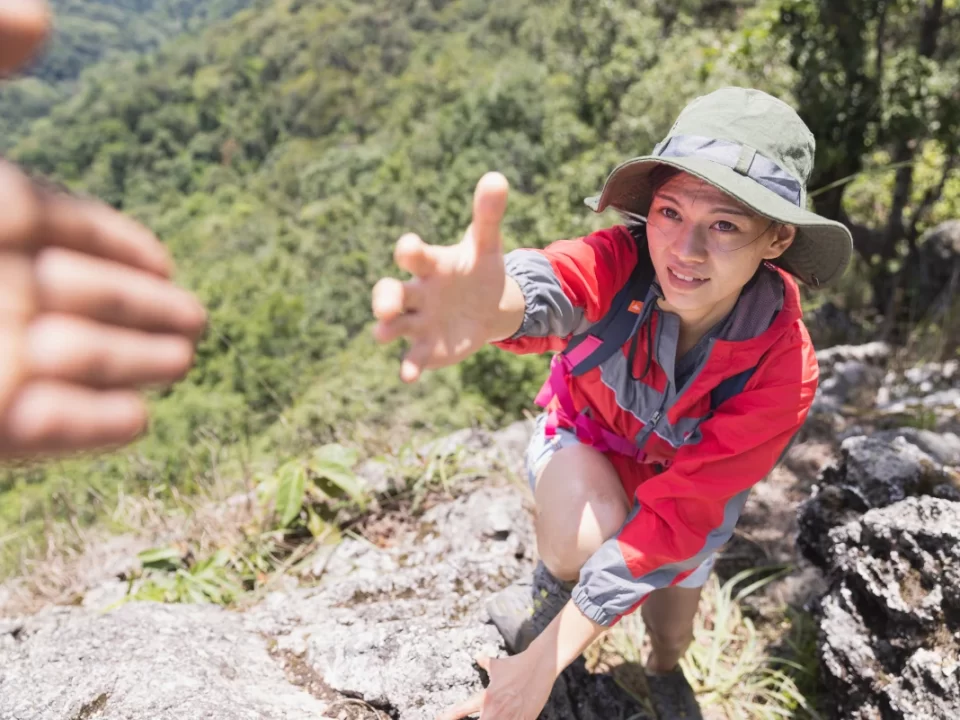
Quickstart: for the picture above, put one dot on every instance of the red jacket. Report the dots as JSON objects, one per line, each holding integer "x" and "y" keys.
{"x": 712, "y": 456}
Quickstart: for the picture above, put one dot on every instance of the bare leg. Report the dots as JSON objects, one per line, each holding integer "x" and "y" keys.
{"x": 668, "y": 615}
{"x": 580, "y": 504}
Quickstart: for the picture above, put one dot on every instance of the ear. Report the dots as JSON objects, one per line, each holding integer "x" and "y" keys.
{"x": 784, "y": 237}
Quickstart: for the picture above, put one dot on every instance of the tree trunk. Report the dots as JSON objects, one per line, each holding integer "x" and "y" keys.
{"x": 888, "y": 295}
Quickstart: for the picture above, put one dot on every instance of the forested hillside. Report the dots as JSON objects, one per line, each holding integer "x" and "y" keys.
{"x": 281, "y": 153}
{"x": 88, "y": 31}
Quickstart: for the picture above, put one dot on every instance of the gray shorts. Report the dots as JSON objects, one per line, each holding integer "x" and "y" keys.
{"x": 541, "y": 449}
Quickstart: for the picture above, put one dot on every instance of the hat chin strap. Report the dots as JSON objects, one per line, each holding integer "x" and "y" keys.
{"x": 741, "y": 158}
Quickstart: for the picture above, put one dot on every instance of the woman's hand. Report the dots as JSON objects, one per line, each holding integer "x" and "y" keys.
{"x": 452, "y": 306}
{"x": 520, "y": 685}
{"x": 519, "y": 688}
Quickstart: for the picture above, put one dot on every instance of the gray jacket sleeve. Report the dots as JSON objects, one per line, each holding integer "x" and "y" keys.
{"x": 549, "y": 311}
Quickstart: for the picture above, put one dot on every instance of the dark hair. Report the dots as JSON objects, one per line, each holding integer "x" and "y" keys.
{"x": 660, "y": 176}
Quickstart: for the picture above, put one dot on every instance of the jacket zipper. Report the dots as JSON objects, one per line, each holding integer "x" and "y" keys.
{"x": 655, "y": 418}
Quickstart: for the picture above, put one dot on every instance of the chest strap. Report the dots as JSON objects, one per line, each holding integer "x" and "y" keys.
{"x": 590, "y": 349}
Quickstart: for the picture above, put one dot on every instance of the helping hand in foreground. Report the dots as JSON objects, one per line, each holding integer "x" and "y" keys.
{"x": 88, "y": 315}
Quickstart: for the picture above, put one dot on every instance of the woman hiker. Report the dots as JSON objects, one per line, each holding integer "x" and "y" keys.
{"x": 683, "y": 372}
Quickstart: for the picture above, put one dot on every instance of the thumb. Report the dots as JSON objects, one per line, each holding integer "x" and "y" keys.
{"x": 489, "y": 204}
{"x": 471, "y": 706}
{"x": 23, "y": 26}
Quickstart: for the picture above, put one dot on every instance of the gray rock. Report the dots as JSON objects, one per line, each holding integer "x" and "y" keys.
{"x": 847, "y": 372}
{"x": 400, "y": 627}
{"x": 872, "y": 353}
{"x": 144, "y": 660}
{"x": 872, "y": 473}
{"x": 889, "y": 639}
{"x": 930, "y": 385}
{"x": 944, "y": 448}
{"x": 947, "y": 400}
{"x": 392, "y": 630}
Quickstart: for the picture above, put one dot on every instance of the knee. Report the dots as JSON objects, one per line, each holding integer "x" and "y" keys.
{"x": 580, "y": 503}
{"x": 670, "y": 639}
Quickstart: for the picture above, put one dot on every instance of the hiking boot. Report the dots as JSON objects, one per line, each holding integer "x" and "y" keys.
{"x": 672, "y": 697}
{"x": 524, "y": 609}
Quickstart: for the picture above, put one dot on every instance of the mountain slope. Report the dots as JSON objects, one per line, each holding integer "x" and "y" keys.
{"x": 281, "y": 154}
{"x": 86, "y": 32}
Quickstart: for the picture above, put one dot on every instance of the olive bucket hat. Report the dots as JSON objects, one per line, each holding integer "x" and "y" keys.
{"x": 756, "y": 149}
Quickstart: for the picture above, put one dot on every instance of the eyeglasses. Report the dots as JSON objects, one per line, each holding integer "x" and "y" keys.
{"x": 722, "y": 236}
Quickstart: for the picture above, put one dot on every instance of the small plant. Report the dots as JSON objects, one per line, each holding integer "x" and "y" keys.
{"x": 168, "y": 578}
{"x": 728, "y": 664}
{"x": 418, "y": 472}
{"x": 302, "y": 505}
{"x": 301, "y": 484}
{"x": 922, "y": 418}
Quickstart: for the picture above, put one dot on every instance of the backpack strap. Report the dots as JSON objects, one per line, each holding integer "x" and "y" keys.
{"x": 620, "y": 322}
{"x": 728, "y": 388}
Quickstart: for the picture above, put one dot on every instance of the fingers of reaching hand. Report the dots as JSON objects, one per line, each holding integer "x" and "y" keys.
{"x": 396, "y": 305}
{"x": 391, "y": 302}
{"x": 392, "y": 297}
{"x": 17, "y": 296}
{"x": 471, "y": 706}
{"x": 51, "y": 417}
{"x": 489, "y": 205}
{"x": 62, "y": 347}
{"x": 415, "y": 256}
{"x": 34, "y": 217}
{"x": 17, "y": 305}
{"x": 410, "y": 325}
{"x": 415, "y": 360}
{"x": 22, "y": 212}
{"x": 23, "y": 26}
{"x": 12, "y": 363}
{"x": 474, "y": 704}
{"x": 97, "y": 229}
{"x": 106, "y": 291}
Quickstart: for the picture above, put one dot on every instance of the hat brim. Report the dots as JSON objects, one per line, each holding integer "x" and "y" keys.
{"x": 819, "y": 254}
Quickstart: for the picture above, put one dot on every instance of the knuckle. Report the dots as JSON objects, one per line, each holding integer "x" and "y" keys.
{"x": 65, "y": 349}
{"x": 48, "y": 338}
{"x": 53, "y": 265}
{"x": 114, "y": 302}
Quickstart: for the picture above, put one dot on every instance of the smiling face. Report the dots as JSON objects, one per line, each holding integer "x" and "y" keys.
{"x": 705, "y": 246}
